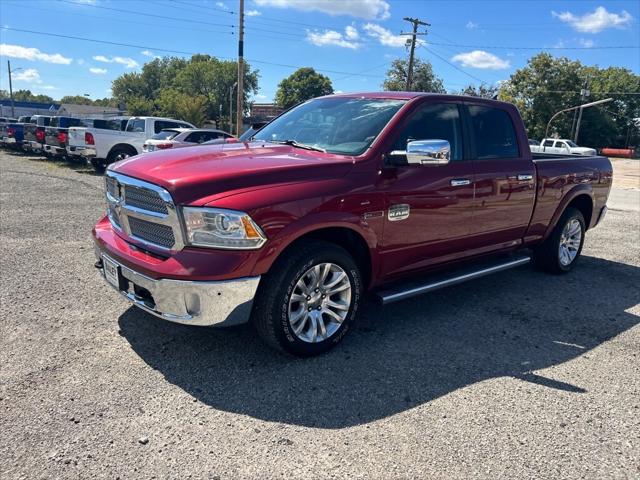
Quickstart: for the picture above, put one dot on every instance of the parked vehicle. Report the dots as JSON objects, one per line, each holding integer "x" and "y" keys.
{"x": 34, "y": 136}
{"x": 57, "y": 135}
{"x": 533, "y": 142}
{"x": 562, "y": 147}
{"x": 12, "y": 134}
{"x": 341, "y": 195}
{"x": 4, "y": 120}
{"x": 80, "y": 140}
{"x": 110, "y": 145}
{"x": 183, "y": 137}
{"x": 252, "y": 130}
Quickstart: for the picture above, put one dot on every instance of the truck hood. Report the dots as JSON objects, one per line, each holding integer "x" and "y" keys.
{"x": 583, "y": 150}
{"x": 195, "y": 175}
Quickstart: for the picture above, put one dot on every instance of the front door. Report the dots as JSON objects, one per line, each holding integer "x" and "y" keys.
{"x": 504, "y": 179}
{"x": 428, "y": 207}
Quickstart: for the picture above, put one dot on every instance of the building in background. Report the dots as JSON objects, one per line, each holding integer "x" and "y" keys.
{"x": 92, "y": 111}
{"x": 27, "y": 108}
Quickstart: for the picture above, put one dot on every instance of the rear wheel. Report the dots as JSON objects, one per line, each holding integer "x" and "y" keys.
{"x": 308, "y": 301}
{"x": 560, "y": 252}
{"x": 120, "y": 153}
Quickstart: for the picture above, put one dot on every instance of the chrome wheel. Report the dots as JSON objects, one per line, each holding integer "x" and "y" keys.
{"x": 570, "y": 240}
{"x": 319, "y": 302}
{"x": 121, "y": 156}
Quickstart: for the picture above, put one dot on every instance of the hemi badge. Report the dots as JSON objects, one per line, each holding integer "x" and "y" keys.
{"x": 398, "y": 212}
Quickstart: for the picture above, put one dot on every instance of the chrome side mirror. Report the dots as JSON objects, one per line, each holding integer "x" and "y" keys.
{"x": 426, "y": 152}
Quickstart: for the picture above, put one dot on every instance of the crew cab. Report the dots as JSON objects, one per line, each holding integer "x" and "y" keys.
{"x": 80, "y": 140}
{"x": 56, "y": 135}
{"x": 112, "y": 145}
{"x": 34, "y": 136}
{"x": 392, "y": 194}
{"x": 561, "y": 146}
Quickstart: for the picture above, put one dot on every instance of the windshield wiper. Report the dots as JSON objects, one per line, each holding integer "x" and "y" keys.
{"x": 295, "y": 144}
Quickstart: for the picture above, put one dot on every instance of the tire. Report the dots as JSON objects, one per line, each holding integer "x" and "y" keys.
{"x": 98, "y": 165}
{"x": 287, "y": 324}
{"x": 551, "y": 256}
{"x": 119, "y": 153}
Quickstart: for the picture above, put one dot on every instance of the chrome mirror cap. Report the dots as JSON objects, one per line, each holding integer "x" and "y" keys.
{"x": 426, "y": 152}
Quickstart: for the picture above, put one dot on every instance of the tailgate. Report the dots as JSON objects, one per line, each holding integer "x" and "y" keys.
{"x": 51, "y": 137}
{"x": 76, "y": 136}
{"x": 30, "y": 133}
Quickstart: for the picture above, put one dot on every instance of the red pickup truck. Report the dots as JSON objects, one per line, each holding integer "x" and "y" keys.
{"x": 394, "y": 194}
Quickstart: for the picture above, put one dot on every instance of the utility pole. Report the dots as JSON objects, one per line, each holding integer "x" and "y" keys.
{"x": 415, "y": 22}
{"x": 240, "y": 107}
{"x": 584, "y": 93}
{"x": 231, "y": 107}
{"x": 13, "y": 106}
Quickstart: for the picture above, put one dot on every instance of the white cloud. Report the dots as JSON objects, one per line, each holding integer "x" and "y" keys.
{"x": 98, "y": 71}
{"x": 260, "y": 96}
{"x": 252, "y": 13}
{"x": 351, "y": 32}
{"x": 28, "y": 53}
{"x": 48, "y": 87}
{"x": 586, "y": 42}
{"x": 367, "y": 9}
{"x": 481, "y": 59}
{"x": 222, "y": 5}
{"x": 126, "y": 61}
{"x": 147, "y": 53}
{"x": 596, "y": 21}
{"x": 386, "y": 37}
{"x": 331, "y": 37}
{"x": 80, "y": 61}
{"x": 29, "y": 75}
{"x": 471, "y": 25}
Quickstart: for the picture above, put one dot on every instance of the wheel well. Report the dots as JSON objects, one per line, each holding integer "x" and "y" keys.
{"x": 123, "y": 146}
{"x": 585, "y": 205}
{"x": 348, "y": 239}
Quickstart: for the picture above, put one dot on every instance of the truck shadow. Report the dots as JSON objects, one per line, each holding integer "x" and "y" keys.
{"x": 404, "y": 355}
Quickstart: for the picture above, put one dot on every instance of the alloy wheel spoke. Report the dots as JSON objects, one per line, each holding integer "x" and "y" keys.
{"x": 337, "y": 306}
{"x": 332, "y": 314}
{"x": 338, "y": 278}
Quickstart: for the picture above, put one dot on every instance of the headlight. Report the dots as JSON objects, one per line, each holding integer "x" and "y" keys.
{"x": 217, "y": 228}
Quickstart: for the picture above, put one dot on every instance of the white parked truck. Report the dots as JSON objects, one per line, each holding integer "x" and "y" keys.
{"x": 104, "y": 146}
{"x": 561, "y": 146}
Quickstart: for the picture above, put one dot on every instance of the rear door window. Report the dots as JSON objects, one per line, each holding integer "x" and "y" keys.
{"x": 165, "y": 135}
{"x": 163, "y": 124}
{"x": 494, "y": 133}
{"x": 548, "y": 143}
{"x": 136, "y": 125}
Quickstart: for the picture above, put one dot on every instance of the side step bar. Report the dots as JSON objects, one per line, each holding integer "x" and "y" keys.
{"x": 396, "y": 294}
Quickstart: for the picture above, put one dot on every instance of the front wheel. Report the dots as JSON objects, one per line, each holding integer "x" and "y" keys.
{"x": 560, "y": 252}
{"x": 308, "y": 301}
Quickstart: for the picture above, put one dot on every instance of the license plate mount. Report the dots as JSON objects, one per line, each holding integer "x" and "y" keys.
{"x": 111, "y": 271}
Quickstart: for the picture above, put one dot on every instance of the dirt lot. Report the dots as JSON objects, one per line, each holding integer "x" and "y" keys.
{"x": 518, "y": 375}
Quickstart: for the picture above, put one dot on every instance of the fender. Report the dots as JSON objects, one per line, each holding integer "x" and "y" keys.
{"x": 582, "y": 189}
{"x": 314, "y": 222}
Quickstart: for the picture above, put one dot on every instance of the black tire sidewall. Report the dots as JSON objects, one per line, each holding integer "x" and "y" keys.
{"x": 280, "y": 315}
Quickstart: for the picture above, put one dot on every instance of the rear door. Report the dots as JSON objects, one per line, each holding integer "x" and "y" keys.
{"x": 427, "y": 213}
{"x": 504, "y": 176}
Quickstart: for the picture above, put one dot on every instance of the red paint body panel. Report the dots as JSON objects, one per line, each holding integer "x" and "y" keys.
{"x": 290, "y": 192}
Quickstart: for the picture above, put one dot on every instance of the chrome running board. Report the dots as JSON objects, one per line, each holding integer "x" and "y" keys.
{"x": 396, "y": 294}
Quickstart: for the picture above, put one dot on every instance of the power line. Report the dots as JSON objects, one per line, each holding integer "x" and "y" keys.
{"x": 180, "y": 52}
{"x": 454, "y": 65}
{"x": 146, "y": 14}
{"x": 608, "y": 47}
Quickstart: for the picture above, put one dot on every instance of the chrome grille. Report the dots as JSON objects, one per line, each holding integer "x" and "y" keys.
{"x": 144, "y": 199}
{"x": 143, "y": 213}
{"x": 152, "y": 232}
{"x": 112, "y": 186}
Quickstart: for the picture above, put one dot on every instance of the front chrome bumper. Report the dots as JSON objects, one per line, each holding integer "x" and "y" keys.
{"x": 33, "y": 146}
{"x": 222, "y": 303}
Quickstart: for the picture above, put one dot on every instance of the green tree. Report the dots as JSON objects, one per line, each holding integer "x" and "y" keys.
{"x": 140, "y": 106}
{"x": 27, "y": 96}
{"x": 203, "y": 77}
{"x": 483, "y": 91}
{"x": 76, "y": 100}
{"x": 424, "y": 78}
{"x": 549, "y": 84}
{"x": 303, "y": 84}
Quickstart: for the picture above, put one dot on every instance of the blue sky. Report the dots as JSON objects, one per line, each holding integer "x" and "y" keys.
{"x": 351, "y": 41}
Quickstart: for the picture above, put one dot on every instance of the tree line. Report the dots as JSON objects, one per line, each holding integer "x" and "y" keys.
{"x": 198, "y": 89}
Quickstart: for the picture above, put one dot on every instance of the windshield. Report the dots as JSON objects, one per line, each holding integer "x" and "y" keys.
{"x": 165, "y": 135}
{"x": 571, "y": 144}
{"x": 340, "y": 125}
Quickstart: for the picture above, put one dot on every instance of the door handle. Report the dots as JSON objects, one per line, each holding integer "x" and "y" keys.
{"x": 459, "y": 182}
{"x": 524, "y": 177}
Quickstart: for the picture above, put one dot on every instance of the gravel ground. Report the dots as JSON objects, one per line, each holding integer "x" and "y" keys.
{"x": 517, "y": 375}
